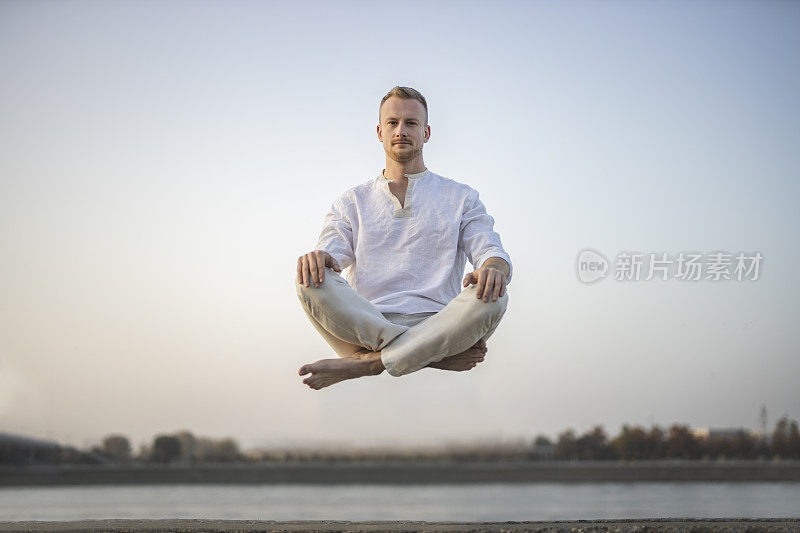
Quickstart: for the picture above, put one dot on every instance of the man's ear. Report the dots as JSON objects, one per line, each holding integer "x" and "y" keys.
{"x": 380, "y": 133}
{"x": 427, "y": 133}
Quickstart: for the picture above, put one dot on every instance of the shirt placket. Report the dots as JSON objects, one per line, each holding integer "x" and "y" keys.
{"x": 403, "y": 211}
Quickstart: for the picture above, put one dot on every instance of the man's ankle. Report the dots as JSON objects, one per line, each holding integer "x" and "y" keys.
{"x": 361, "y": 354}
{"x": 375, "y": 363}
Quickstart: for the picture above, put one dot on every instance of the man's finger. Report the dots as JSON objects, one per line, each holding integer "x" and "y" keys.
{"x": 306, "y": 274}
{"x": 335, "y": 264}
{"x": 488, "y": 288}
{"x": 481, "y": 283}
{"x": 320, "y": 265}
{"x": 498, "y": 286}
{"x": 492, "y": 284}
{"x": 299, "y": 270}
{"x": 312, "y": 266}
{"x": 503, "y": 288}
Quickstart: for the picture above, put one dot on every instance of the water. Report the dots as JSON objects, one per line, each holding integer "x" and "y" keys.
{"x": 491, "y": 502}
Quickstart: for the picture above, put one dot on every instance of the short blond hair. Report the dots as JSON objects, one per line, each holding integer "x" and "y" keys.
{"x": 407, "y": 93}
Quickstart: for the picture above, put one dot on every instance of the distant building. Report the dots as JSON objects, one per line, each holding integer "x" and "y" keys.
{"x": 724, "y": 433}
{"x": 16, "y": 450}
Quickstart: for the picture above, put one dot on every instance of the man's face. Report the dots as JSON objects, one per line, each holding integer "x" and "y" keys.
{"x": 403, "y": 128}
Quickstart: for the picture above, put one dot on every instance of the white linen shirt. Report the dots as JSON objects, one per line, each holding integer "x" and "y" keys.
{"x": 409, "y": 259}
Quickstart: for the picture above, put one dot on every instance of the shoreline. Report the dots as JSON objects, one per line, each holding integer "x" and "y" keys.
{"x": 622, "y": 526}
{"x": 399, "y": 473}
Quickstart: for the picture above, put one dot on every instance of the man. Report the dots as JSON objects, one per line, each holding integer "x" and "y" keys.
{"x": 405, "y": 236}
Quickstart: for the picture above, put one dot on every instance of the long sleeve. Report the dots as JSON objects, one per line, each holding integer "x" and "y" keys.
{"x": 477, "y": 236}
{"x": 336, "y": 236}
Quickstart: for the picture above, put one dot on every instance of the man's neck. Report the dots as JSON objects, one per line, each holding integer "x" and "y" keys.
{"x": 396, "y": 171}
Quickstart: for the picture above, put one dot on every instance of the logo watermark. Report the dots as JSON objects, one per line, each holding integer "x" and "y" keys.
{"x": 592, "y": 266}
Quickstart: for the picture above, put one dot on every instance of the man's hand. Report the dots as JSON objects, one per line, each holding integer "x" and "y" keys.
{"x": 311, "y": 267}
{"x": 491, "y": 279}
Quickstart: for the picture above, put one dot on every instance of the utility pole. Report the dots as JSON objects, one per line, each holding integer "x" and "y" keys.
{"x": 762, "y": 419}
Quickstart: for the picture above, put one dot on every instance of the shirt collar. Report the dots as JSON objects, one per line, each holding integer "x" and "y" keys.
{"x": 418, "y": 175}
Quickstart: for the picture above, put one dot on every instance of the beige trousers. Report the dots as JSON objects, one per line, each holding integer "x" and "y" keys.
{"x": 349, "y": 323}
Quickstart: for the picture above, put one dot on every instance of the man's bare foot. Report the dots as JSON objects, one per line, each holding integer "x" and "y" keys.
{"x": 466, "y": 360}
{"x": 329, "y": 371}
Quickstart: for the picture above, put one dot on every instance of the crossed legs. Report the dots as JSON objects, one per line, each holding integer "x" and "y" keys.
{"x": 368, "y": 343}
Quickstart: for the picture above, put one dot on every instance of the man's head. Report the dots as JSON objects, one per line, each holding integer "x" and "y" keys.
{"x": 403, "y": 123}
{"x": 406, "y": 93}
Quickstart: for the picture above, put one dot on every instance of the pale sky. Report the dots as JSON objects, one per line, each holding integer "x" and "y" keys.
{"x": 163, "y": 165}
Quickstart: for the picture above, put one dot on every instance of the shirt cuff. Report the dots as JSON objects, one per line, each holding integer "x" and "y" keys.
{"x": 342, "y": 259}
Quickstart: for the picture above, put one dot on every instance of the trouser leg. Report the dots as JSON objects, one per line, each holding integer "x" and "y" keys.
{"x": 462, "y": 323}
{"x": 342, "y": 348}
{"x": 346, "y": 320}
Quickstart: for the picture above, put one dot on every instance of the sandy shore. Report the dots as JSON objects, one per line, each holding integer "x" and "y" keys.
{"x": 192, "y": 526}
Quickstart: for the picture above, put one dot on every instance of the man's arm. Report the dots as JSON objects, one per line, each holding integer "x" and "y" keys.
{"x": 334, "y": 248}
{"x": 483, "y": 248}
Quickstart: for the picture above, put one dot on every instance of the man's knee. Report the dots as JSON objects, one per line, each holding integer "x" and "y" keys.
{"x": 495, "y": 308}
{"x": 492, "y": 307}
{"x": 318, "y": 294}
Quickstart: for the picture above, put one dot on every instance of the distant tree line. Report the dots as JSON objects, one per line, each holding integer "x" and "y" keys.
{"x": 632, "y": 443}
{"x": 170, "y": 448}
{"x": 677, "y": 442}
